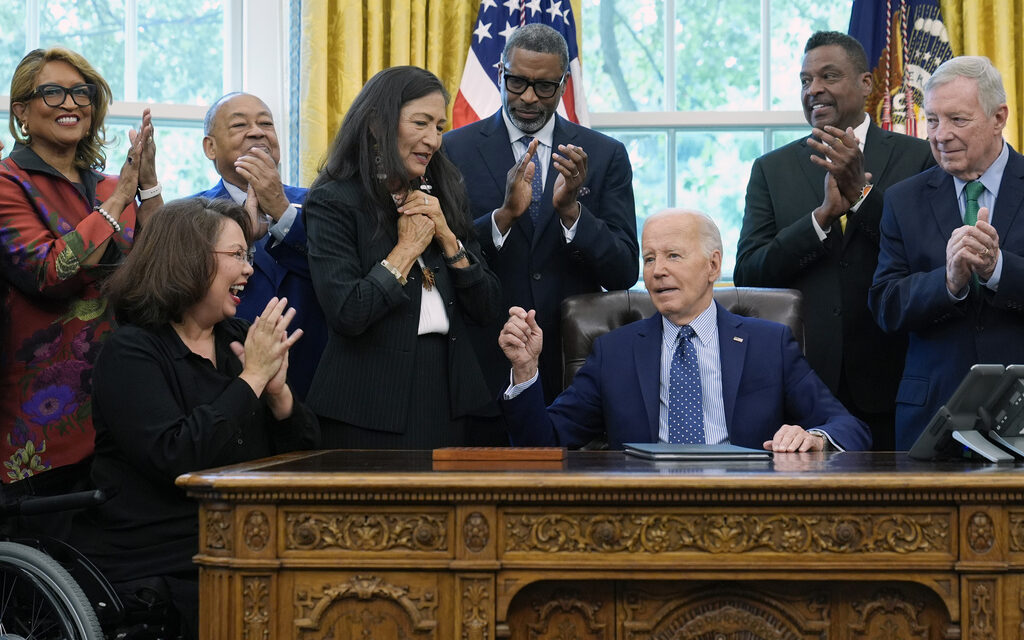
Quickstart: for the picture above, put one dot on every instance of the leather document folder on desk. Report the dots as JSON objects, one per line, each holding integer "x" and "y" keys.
{"x": 664, "y": 451}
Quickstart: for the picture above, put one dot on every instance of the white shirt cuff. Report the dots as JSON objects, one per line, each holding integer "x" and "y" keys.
{"x": 515, "y": 389}
{"x": 570, "y": 232}
{"x": 822, "y": 234}
{"x": 828, "y": 440}
{"x": 496, "y": 236}
{"x": 993, "y": 282}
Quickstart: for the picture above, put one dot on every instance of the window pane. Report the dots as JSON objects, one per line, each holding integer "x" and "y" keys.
{"x": 623, "y": 53}
{"x": 648, "y": 156}
{"x": 12, "y": 44}
{"x": 5, "y": 133}
{"x": 182, "y": 167}
{"x": 93, "y": 29}
{"x": 712, "y": 168}
{"x": 793, "y": 21}
{"x": 718, "y": 55}
{"x": 782, "y": 137}
{"x": 189, "y": 70}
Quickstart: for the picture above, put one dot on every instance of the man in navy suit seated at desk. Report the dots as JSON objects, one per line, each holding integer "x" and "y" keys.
{"x": 241, "y": 140}
{"x": 691, "y": 373}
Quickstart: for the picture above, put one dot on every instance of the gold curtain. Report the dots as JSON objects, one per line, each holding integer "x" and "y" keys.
{"x": 345, "y": 42}
{"x": 993, "y": 28}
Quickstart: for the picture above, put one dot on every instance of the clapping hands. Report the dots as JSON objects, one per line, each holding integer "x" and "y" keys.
{"x": 264, "y": 356}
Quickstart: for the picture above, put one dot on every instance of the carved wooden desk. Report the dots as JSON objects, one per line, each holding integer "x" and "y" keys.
{"x": 377, "y": 544}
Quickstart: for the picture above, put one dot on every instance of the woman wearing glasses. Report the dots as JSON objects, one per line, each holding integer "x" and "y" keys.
{"x": 183, "y": 385}
{"x": 397, "y": 270}
{"x": 63, "y": 227}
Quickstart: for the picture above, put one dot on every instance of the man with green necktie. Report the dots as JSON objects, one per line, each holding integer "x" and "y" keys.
{"x": 951, "y": 260}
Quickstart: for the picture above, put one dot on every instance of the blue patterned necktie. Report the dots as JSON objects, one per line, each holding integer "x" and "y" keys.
{"x": 537, "y": 186}
{"x": 685, "y": 402}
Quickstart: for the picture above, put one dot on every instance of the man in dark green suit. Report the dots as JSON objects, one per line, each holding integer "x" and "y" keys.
{"x": 811, "y": 223}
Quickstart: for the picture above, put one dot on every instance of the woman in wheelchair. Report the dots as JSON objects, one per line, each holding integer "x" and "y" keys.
{"x": 182, "y": 385}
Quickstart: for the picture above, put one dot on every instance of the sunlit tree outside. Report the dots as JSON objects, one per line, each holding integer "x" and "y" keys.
{"x": 712, "y": 66}
{"x": 178, "y": 59}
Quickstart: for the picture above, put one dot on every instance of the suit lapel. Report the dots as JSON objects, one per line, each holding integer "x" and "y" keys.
{"x": 496, "y": 154}
{"x": 814, "y": 174}
{"x": 943, "y": 202}
{"x": 1011, "y": 196}
{"x": 732, "y": 345}
{"x": 561, "y": 135}
{"x": 877, "y": 152}
{"x": 647, "y": 360}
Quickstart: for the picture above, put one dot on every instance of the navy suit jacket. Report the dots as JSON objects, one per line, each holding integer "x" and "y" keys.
{"x": 537, "y": 268}
{"x": 283, "y": 271}
{"x": 766, "y": 382}
{"x": 909, "y": 292}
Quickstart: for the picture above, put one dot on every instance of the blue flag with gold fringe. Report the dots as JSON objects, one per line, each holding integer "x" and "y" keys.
{"x": 905, "y": 41}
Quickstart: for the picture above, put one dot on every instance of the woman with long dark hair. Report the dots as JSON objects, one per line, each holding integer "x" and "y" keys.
{"x": 398, "y": 274}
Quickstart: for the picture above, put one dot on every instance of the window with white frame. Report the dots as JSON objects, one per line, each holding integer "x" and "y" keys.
{"x": 174, "y": 56}
{"x": 697, "y": 90}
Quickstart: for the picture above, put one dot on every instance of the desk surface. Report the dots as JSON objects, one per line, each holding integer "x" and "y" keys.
{"x": 404, "y": 475}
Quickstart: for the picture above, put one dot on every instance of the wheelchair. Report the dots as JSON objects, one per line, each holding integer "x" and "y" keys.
{"x": 50, "y": 591}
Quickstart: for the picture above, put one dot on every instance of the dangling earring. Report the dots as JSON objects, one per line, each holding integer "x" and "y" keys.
{"x": 425, "y": 185}
{"x": 24, "y": 129}
{"x": 379, "y": 164}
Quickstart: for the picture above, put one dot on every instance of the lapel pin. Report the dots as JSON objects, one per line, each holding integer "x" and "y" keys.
{"x": 737, "y": 339}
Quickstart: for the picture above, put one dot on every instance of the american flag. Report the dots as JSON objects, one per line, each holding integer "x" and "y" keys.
{"x": 478, "y": 93}
{"x": 906, "y": 41}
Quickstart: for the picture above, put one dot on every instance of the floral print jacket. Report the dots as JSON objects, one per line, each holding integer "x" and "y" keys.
{"x": 56, "y": 317}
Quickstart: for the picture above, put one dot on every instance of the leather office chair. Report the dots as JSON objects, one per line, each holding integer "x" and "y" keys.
{"x": 589, "y": 315}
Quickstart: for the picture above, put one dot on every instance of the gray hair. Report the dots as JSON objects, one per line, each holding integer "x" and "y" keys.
{"x": 991, "y": 93}
{"x": 211, "y": 113}
{"x": 538, "y": 38}
{"x": 708, "y": 234}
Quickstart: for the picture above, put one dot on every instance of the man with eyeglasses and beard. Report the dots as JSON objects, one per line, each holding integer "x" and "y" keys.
{"x": 552, "y": 202}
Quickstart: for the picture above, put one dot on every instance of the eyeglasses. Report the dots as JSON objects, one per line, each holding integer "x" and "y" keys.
{"x": 242, "y": 255}
{"x": 543, "y": 88}
{"x": 54, "y": 95}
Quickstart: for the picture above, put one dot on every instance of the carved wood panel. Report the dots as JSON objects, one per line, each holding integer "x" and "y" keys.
{"x": 367, "y": 531}
{"x": 564, "y": 611}
{"x": 674, "y": 610}
{"x": 366, "y": 605}
{"x": 983, "y": 613}
{"x": 653, "y": 532}
{"x": 476, "y": 607}
{"x": 215, "y": 529}
{"x": 256, "y": 608}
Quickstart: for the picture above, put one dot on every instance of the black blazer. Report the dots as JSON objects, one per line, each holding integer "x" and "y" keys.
{"x": 365, "y": 375}
{"x": 539, "y": 270}
{"x": 778, "y": 247}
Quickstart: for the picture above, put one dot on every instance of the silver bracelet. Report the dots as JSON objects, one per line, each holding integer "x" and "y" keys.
{"x": 109, "y": 218}
{"x": 458, "y": 255}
